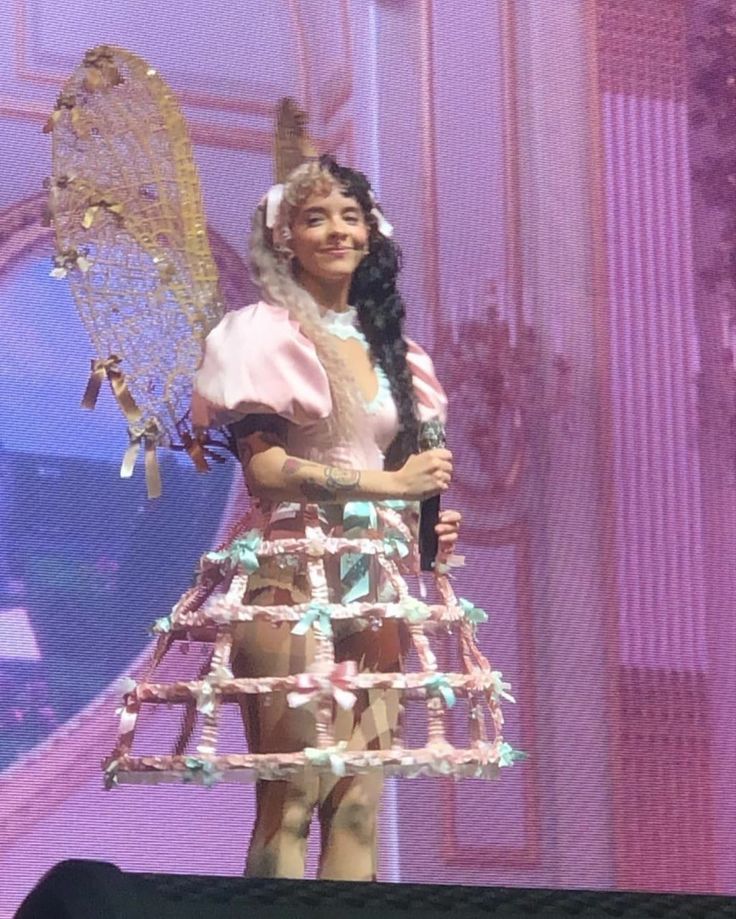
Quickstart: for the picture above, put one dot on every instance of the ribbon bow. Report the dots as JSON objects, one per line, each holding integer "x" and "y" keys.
{"x": 507, "y": 756}
{"x": 148, "y": 434}
{"x": 273, "y": 198}
{"x": 439, "y": 685}
{"x": 315, "y": 615}
{"x": 384, "y": 227}
{"x": 415, "y": 610}
{"x": 471, "y": 612}
{"x": 242, "y": 553}
{"x": 499, "y": 688}
{"x": 395, "y": 544}
{"x": 328, "y": 756}
{"x": 109, "y": 367}
{"x": 161, "y": 625}
{"x": 336, "y": 683}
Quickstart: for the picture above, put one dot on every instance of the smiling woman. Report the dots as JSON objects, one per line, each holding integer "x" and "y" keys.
{"x": 306, "y": 602}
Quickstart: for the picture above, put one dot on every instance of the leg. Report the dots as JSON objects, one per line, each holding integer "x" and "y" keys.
{"x": 349, "y": 806}
{"x": 283, "y": 808}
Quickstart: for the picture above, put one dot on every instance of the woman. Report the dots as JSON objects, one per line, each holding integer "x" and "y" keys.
{"x": 324, "y": 397}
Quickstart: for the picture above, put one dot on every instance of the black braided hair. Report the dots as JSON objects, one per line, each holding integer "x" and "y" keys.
{"x": 374, "y": 293}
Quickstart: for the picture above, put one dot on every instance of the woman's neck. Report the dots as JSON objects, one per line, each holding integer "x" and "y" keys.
{"x": 329, "y": 295}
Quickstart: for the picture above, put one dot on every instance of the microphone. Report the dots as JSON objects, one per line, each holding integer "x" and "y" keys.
{"x": 431, "y": 437}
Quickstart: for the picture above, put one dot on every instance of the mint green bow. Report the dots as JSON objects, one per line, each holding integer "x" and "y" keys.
{"x": 439, "y": 685}
{"x": 161, "y": 625}
{"x": 315, "y": 615}
{"x": 242, "y": 553}
{"x": 507, "y": 756}
{"x": 415, "y": 610}
{"x": 210, "y": 774}
{"x": 395, "y": 544}
{"x": 471, "y": 612}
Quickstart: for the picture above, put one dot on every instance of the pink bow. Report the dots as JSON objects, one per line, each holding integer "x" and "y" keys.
{"x": 335, "y": 683}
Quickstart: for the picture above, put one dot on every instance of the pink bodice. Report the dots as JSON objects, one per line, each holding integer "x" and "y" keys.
{"x": 256, "y": 360}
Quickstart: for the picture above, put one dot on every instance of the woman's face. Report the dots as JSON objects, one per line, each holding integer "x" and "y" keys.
{"x": 329, "y": 235}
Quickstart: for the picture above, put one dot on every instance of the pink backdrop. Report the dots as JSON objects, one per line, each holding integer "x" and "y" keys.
{"x": 535, "y": 159}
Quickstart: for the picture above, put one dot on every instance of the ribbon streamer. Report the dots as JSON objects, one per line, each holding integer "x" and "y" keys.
{"x": 148, "y": 435}
{"x": 358, "y": 517}
{"x": 109, "y": 367}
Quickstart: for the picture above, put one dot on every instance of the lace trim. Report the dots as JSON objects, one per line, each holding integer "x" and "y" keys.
{"x": 344, "y": 326}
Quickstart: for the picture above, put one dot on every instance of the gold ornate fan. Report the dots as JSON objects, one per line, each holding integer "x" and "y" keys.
{"x": 126, "y": 207}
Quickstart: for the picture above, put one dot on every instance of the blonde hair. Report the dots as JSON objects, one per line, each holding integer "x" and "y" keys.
{"x": 271, "y": 270}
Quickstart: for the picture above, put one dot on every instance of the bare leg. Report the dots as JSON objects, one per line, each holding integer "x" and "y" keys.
{"x": 284, "y": 809}
{"x": 348, "y": 808}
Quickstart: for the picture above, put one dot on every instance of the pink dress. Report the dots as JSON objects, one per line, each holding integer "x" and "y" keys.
{"x": 339, "y": 569}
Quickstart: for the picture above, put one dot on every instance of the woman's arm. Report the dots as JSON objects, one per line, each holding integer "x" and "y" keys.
{"x": 271, "y": 473}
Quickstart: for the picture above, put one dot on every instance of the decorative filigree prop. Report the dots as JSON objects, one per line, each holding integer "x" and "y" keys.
{"x": 126, "y": 207}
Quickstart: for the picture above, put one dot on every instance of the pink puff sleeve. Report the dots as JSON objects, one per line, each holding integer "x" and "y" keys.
{"x": 257, "y": 361}
{"x": 431, "y": 397}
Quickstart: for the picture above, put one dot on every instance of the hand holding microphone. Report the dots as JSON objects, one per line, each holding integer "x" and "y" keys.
{"x": 433, "y": 442}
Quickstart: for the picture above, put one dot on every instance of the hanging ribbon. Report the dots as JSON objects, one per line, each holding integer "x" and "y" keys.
{"x": 196, "y": 451}
{"x": 358, "y": 517}
{"x": 109, "y": 367}
{"x": 148, "y": 435}
{"x": 315, "y": 615}
{"x": 337, "y": 683}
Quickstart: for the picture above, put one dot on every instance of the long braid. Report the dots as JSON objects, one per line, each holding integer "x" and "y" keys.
{"x": 381, "y": 312}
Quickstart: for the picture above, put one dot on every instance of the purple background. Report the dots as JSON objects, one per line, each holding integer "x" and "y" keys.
{"x": 535, "y": 159}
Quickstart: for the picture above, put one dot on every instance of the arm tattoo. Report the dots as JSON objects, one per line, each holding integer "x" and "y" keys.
{"x": 341, "y": 479}
{"x": 313, "y": 488}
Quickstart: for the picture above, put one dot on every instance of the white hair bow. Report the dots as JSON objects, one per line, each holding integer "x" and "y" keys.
{"x": 273, "y": 198}
{"x": 384, "y": 227}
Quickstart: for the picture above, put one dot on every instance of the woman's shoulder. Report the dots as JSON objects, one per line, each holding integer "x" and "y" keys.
{"x": 257, "y": 359}
{"x": 256, "y": 316}
{"x": 430, "y": 395}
